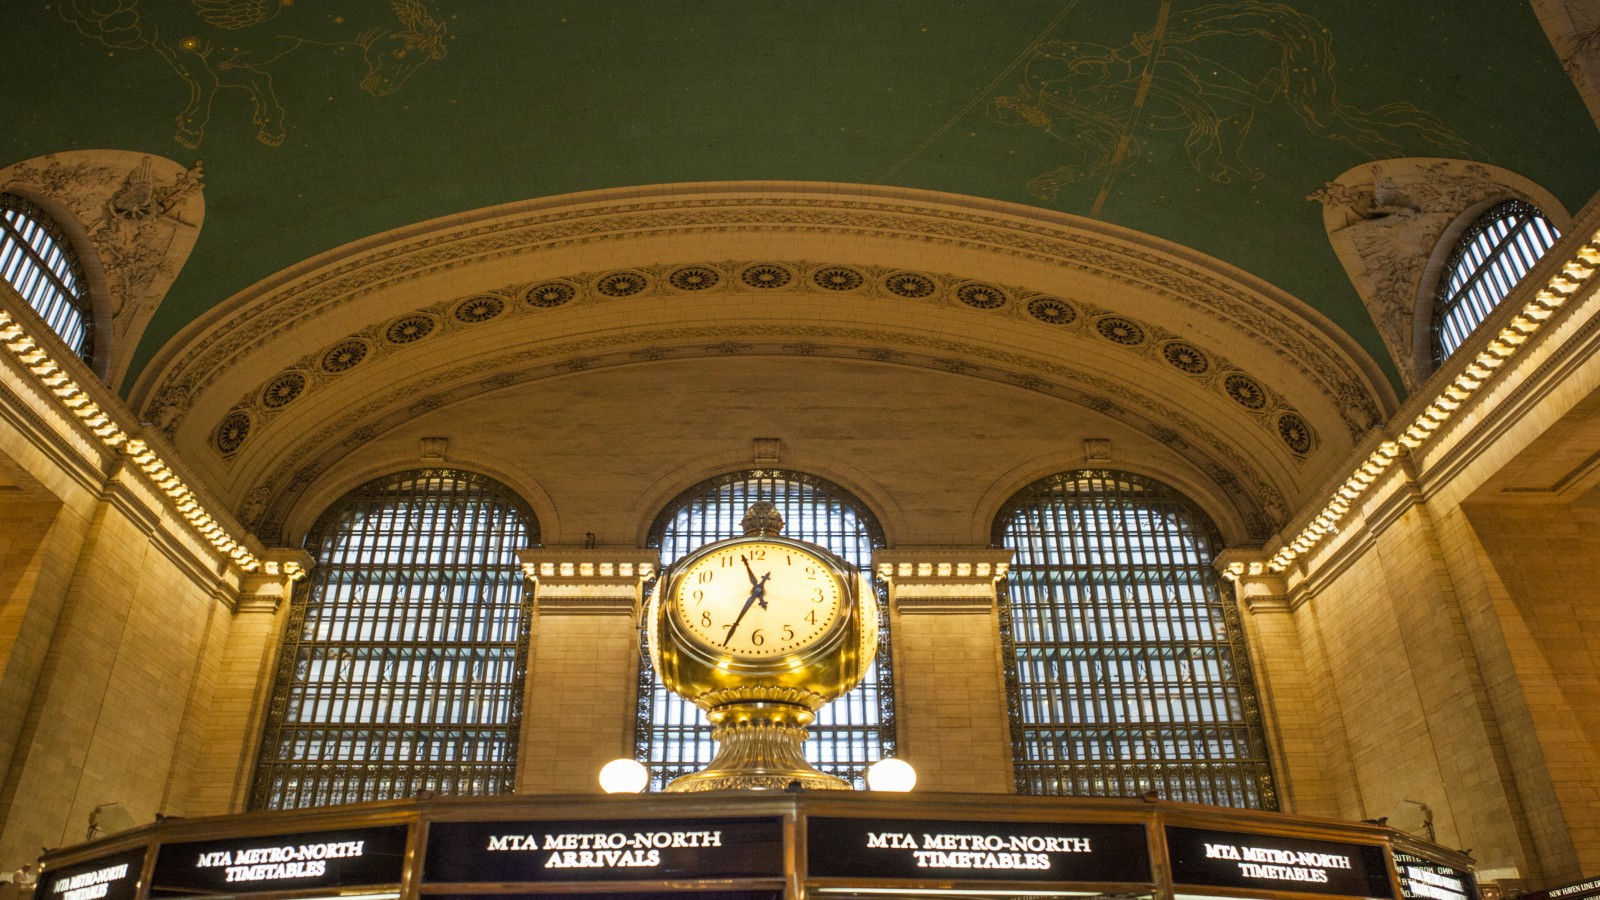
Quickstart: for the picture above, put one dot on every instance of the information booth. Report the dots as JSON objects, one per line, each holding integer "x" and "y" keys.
{"x": 758, "y": 845}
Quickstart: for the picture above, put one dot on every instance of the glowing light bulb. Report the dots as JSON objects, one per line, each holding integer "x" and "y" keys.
{"x": 891, "y": 775}
{"x": 623, "y": 776}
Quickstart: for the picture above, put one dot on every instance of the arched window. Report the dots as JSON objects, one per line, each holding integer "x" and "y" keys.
{"x": 1493, "y": 254}
{"x": 403, "y": 662}
{"x": 1123, "y": 655}
{"x": 673, "y": 737}
{"x": 38, "y": 262}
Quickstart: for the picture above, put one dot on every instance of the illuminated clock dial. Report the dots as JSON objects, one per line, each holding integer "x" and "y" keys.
{"x": 758, "y": 599}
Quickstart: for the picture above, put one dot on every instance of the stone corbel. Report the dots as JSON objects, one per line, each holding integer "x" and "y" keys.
{"x": 588, "y": 581}
{"x": 265, "y": 589}
{"x": 1257, "y": 587}
{"x": 942, "y": 579}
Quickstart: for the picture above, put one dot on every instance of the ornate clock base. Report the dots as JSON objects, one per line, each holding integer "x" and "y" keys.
{"x": 759, "y": 746}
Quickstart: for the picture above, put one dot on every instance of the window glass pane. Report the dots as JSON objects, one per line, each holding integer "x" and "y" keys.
{"x": 38, "y": 263}
{"x": 1492, "y": 256}
{"x": 673, "y": 737}
{"x": 404, "y": 658}
{"x": 1124, "y": 664}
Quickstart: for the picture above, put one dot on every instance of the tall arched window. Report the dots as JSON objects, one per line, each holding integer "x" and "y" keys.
{"x": 673, "y": 736}
{"x": 403, "y": 662}
{"x": 1492, "y": 255}
{"x": 1124, "y": 660}
{"x": 37, "y": 261}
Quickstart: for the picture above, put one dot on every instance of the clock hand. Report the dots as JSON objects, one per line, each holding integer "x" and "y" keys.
{"x": 756, "y": 593}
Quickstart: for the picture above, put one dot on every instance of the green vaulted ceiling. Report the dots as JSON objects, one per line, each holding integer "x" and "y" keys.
{"x": 1253, "y": 106}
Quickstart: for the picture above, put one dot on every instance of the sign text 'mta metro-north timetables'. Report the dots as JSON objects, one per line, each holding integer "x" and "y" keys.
{"x": 982, "y": 850}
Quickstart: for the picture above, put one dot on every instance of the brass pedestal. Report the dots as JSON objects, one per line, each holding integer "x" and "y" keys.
{"x": 759, "y": 745}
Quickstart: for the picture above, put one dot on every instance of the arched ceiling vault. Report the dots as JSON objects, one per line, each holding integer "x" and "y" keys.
{"x": 801, "y": 286}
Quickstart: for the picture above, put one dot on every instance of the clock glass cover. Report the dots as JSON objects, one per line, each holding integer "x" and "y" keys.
{"x": 758, "y": 599}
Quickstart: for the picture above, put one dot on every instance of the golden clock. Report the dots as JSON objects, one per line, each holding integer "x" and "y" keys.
{"x": 761, "y": 632}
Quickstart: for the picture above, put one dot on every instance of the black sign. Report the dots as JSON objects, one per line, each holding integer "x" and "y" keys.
{"x": 1424, "y": 879}
{"x": 978, "y": 851}
{"x": 1269, "y": 862}
{"x": 107, "y": 878}
{"x": 590, "y": 850}
{"x": 281, "y": 862}
{"x": 1589, "y": 887}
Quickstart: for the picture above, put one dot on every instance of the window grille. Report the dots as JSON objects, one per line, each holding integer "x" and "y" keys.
{"x": 1125, "y": 667}
{"x": 404, "y": 659}
{"x": 37, "y": 261}
{"x": 1491, "y": 257}
{"x": 672, "y": 735}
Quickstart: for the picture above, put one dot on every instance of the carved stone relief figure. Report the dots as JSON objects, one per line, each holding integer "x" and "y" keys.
{"x": 1386, "y": 221}
{"x": 140, "y": 215}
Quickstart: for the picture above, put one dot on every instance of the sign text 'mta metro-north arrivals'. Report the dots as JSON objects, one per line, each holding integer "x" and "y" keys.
{"x": 1013, "y": 851}
{"x": 356, "y": 856}
{"x": 1240, "y": 859}
{"x": 597, "y": 850}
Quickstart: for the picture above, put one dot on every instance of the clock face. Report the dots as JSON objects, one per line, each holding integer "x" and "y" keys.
{"x": 758, "y": 599}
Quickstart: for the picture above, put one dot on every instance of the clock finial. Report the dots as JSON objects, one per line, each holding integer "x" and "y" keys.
{"x": 762, "y": 519}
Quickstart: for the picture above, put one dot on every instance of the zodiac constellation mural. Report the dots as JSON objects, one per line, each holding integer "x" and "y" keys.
{"x": 1204, "y": 72}
{"x": 238, "y": 44}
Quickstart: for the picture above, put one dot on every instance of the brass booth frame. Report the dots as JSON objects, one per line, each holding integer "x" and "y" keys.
{"x": 792, "y": 813}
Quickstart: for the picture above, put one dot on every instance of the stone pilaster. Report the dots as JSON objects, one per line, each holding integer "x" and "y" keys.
{"x": 583, "y": 666}
{"x": 950, "y": 696}
{"x": 1298, "y": 743}
{"x": 238, "y": 709}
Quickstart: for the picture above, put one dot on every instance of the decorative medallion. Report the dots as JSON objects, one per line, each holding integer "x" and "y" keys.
{"x": 766, "y": 275}
{"x": 1186, "y": 357}
{"x": 550, "y": 293}
{"x": 1296, "y": 433}
{"x": 693, "y": 278}
{"x": 344, "y": 356}
{"x": 982, "y": 296}
{"x": 282, "y": 391}
{"x": 622, "y": 284}
{"x": 479, "y": 309}
{"x": 1051, "y": 311}
{"x": 838, "y": 278}
{"x": 232, "y": 432}
{"x": 910, "y": 284}
{"x": 1245, "y": 392}
{"x": 406, "y": 329}
{"x": 1118, "y": 330}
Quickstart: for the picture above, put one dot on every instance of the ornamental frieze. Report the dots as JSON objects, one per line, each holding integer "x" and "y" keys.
{"x": 1082, "y": 319}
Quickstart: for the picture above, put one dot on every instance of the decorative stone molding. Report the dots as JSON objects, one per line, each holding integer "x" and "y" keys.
{"x": 265, "y": 590}
{"x": 1208, "y": 369}
{"x": 1290, "y": 331}
{"x": 942, "y": 579}
{"x": 140, "y": 215}
{"x": 588, "y": 581}
{"x": 101, "y": 418}
{"x": 1567, "y": 273}
{"x": 1257, "y": 588}
{"x": 1386, "y": 221}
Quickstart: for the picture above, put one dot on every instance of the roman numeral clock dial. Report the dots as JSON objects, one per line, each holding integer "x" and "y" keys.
{"x": 758, "y": 600}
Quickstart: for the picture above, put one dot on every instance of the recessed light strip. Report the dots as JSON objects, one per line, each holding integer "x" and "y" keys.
{"x": 104, "y": 426}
